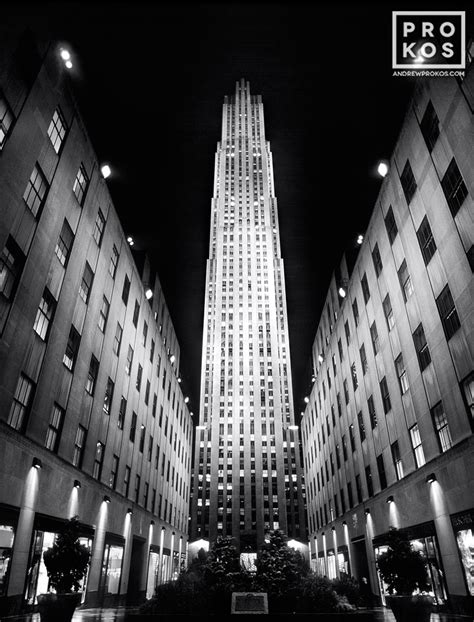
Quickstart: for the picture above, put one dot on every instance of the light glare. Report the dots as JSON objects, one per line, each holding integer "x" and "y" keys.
{"x": 105, "y": 170}
{"x": 382, "y": 169}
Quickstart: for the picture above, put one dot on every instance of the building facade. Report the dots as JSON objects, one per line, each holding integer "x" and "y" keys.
{"x": 247, "y": 473}
{"x": 93, "y": 421}
{"x": 388, "y": 430}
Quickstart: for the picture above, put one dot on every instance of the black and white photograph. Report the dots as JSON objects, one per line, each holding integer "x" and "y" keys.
{"x": 236, "y": 311}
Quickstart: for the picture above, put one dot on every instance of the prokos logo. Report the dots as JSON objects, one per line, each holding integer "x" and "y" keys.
{"x": 428, "y": 39}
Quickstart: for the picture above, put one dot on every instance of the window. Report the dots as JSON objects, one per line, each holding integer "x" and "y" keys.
{"x": 44, "y": 315}
{"x": 11, "y": 265}
{"x": 103, "y": 314}
{"x": 86, "y": 283}
{"x": 405, "y": 281}
{"x": 113, "y": 472}
{"x": 391, "y": 225}
{"x": 6, "y": 120}
{"x": 347, "y": 331}
{"x": 141, "y": 445}
{"x": 470, "y": 257}
{"x": 346, "y": 391}
{"x": 368, "y": 479}
{"x": 365, "y": 288}
{"x": 21, "y": 405}
{"x": 117, "y": 339}
{"x": 122, "y": 412}
{"x": 372, "y": 412}
{"x": 417, "y": 446}
{"x": 137, "y": 488}
{"x": 57, "y": 130}
{"x": 447, "y": 312}
{"x": 468, "y": 394}
{"x": 360, "y": 421}
{"x": 402, "y": 374}
{"x": 64, "y": 243}
{"x": 377, "y": 260}
{"x": 374, "y": 335}
{"x": 79, "y": 446}
{"x": 147, "y": 392}
{"x": 352, "y": 437}
{"x": 136, "y": 313}
{"x": 113, "y": 262}
{"x": 126, "y": 289}
{"x": 397, "y": 460}
{"x": 381, "y": 472}
{"x": 129, "y": 361}
{"x": 430, "y": 126}
{"x": 92, "y": 375}
{"x": 355, "y": 312}
{"x": 426, "y": 241}
{"x": 138, "y": 383}
{"x": 126, "y": 481}
{"x": 98, "y": 461}
{"x": 152, "y": 350}
{"x": 145, "y": 333}
{"x": 80, "y": 185}
{"x": 388, "y": 312}
{"x": 408, "y": 182}
{"x": 36, "y": 190}
{"x": 421, "y": 347}
{"x": 358, "y": 488}
{"x": 108, "y": 397}
{"x": 53, "y": 433}
{"x": 355, "y": 382}
{"x": 440, "y": 423}
{"x": 385, "y": 395}
{"x": 133, "y": 427}
{"x": 72, "y": 347}
{"x": 99, "y": 227}
{"x": 363, "y": 359}
{"x": 454, "y": 187}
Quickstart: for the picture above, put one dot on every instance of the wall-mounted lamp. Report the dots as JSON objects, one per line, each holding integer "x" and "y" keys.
{"x": 344, "y": 523}
{"x": 186, "y": 399}
{"x": 148, "y": 294}
{"x": 431, "y": 478}
{"x": 106, "y": 499}
{"x": 390, "y": 499}
{"x": 77, "y": 483}
{"x": 342, "y": 292}
{"x": 320, "y": 358}
{"x": 333, "y": 528}
{"x": 306, "y": 400}
{"x": 367, "y": 511}
{"x": 360, "y": 239}
{"x": 130, "y": 240}
{"x": 130, "y": 511}
{"x": 37, "y": 464}
{"x": 152, "y": 522}
{"x": 106, "y": 171}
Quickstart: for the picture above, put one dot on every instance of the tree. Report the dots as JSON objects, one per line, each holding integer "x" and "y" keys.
{"x": 401, "y": 567}
{"x": 67, "y": 560}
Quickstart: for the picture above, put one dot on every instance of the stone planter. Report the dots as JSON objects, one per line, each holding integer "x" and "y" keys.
{"x": 58, "y": 607}
{"x": 411, "y": 608}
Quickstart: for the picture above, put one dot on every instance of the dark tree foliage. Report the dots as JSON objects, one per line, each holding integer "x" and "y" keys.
{"x": 401, "y": 567}
{"x": 67, "y": 560}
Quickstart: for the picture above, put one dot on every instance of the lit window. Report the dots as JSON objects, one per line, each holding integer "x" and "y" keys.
{"x": 64, "y": 244}
{"x": 57, "y": 130}
{"x": 21, "y": 403}
{"x": 113, "y": 262}
{"x": 99, "y": 227}
{"x": 6, "y": 120}
{"x": 80, "y": 184}
{"x": 79, "y": 446}
{"x": 54, "y": 429}
{"x": 11, "y": 265}
{"x": 103, "y": 314}
{"x": 128, "y": 363}
{"x": 405, "y": 281}
{"x": 388, "y": 312}
{"x": 36, "y": 190}
{"x": 397, "y": 460}
{"x": 447, "y": 312}
{"x": 117, "y": 339}
{"x": 454, "y": 187}
{"x": 417, "y": 446}
{"x": 402, "y": 374}
{"x": 440, "y": 423}
{"x": 98, "y": 461}
{"x": 108, "y": 397}
{"x": 44, "y": 315}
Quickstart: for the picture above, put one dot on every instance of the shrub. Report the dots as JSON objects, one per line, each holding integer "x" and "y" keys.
{"x": 317, "y": 595}
{"x": 401, "y": 567}
{"x": 348, "y": 587}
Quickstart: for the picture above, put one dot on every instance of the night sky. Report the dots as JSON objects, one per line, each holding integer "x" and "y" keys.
{"x": 150, "y": 80}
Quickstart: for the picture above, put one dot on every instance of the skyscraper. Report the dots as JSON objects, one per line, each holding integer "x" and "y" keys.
{"x": 247, "y": 476}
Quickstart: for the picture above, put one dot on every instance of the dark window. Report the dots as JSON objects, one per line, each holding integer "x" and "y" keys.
{"x": 53, "y": 433}
{"x": 80, "y": 185}
{"x": 405, "y": 281}
{"x": 408, "y": 182}
{"x": 358, "y": 488}
{"x": 99, "y": 227}
{"x": 454, "y": 187}
{"x": 374, "y": 335}
{"x": 86, "y": 283}
{"x": 72, "y": 347}
{"x": 21, "y": 405}
{"x": 137, "y": 488}
{"x": 377, "y": 260}
{"x": 122, "y": 413}
{"x": 401, "y": 373}
{"x": 145, "y": 333}
{"x": 360, "y": 421}
{"x": 129, "y": 361}
{"x": 339, "y": 346}
{"x": 113, "y": 262}
{"x": 103, "y": 314}
{"x": 108, "y": 397}
{"x": 355, "y": 382}
{"x": 368, "y": 479}
{"x": 136, "y": 313}
{"x": 349, "y": 495}
{"x": 372, "y": 412}
{"x": 113, "y": 472}
{"x": 35, "y": 193}
{"x": 133, "y": 427}
{"x": 147, "y": 392}
{"x": 138, "y": 383}
{"x": 355, "y": 311}
{"x": 79, "y": 446}
{"x": 421, "y": 347}
{"x": 346, "y": 391}
{"x": 57, "y": 130}
{"x": 98, "y": 461}
{"x": 470, "y": 257}
{"x": 388, "y": 312}
{"x": 117, "y": 339}
{"x": 430, "y": 126}
{"x": 6, "y": 120}
{"x": 385, "y": 395}
{"x": 12, "y": 261}
{"x": 92, "y": 375}
{"x": 352, "y": 437}
{"x": 365, "y": 288}
{"x": 155, "y": 400}
{"x": 426, "y": 240}
{"x": 126, "y": 289}
{"x": 347, "y": 331}
{"x": 363, "y": 359}
{"x": 44, "y": 315}
{"x": 64, "y": 243}
{"x": 381, "y": 471}
{"x": 447, "y": 312}
{"x": 141, "y": 445}
{"x": 391, "y": 225}
{"x": 126, "y": 481}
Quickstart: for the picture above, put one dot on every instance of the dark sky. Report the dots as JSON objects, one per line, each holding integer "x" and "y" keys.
{"x": 150, "y": 79}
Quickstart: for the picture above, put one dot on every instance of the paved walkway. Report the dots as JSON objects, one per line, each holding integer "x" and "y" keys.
{"x": 119, "y": 614}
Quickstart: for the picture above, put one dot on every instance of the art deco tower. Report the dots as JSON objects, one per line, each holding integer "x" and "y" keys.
{"x": 247, "y": 475}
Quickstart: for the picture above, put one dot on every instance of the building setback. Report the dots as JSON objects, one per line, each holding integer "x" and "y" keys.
{"x": 92, "y": 417}
{"x": 387, "y": 432}
{"x": 247, "y": 474}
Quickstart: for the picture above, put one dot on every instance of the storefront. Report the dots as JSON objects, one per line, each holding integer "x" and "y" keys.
{"x": 8, "y": 523}
{"x": 111, "y": 570}
{"x": 463, "y": 525}
{"x": 153, "y": 576}
{"x": 45, "y": 531}
{"x": 422, "y": 538}
{"x": 343, "y": 559}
